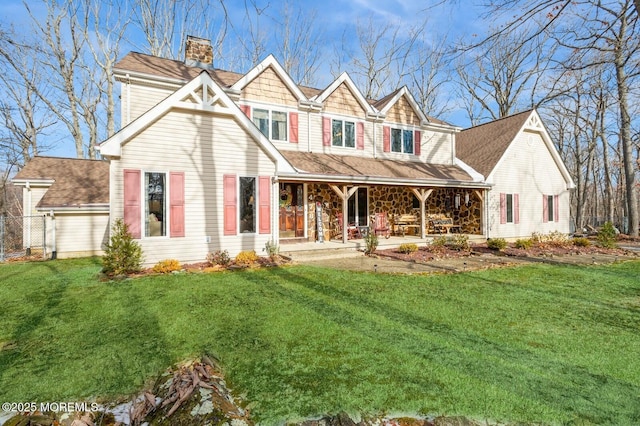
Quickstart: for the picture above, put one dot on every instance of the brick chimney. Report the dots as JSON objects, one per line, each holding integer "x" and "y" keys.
{"x": 198, "y": 52}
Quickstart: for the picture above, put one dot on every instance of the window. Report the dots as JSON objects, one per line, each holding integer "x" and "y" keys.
{"x": 261, "y": 119}
{"x": 509, "y": 208}
{"x": 343, "y": 133}
{"x": 155, "y": 204}
{"x": 402, "y": 141}
{"x": 278, "y": 119}
{"x": 550, "y": 213}
{"x": 278, "y": 126}
{"x": 396, "y": 140}
{"x": 247, "y": 204}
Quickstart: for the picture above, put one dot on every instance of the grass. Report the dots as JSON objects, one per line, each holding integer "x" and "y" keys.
{"x": 552, "y": 344}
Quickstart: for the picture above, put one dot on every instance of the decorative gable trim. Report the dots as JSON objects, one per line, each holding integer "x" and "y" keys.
{"x": 270, "y": 61}
{"x": 200, "y": 94}
{"x": 414, "y": 105}
{"x": 534, "y": 124}
{"x": 344, "y": 78}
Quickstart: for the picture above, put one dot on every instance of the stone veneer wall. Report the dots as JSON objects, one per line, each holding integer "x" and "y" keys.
{"x": 397, "y": 200}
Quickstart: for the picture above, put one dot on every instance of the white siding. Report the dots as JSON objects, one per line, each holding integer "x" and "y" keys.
{"x": 205, "y": 148}
{"x": 78, "y": 234}
{"x": 528, "y": 169}
{"x": 137, "y": 99}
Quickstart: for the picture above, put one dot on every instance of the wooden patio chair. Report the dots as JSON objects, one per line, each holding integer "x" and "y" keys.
{"x": 352, "y": 229}
{"x": 380, "y": 224}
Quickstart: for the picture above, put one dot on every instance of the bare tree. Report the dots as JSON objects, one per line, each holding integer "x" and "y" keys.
{"x": 430, "y": 76}
{"x": 21, "y": 111}
{"x": 298, "y": 43}
{"x": 611, "y": 30}
{"x": 499, "y": 79}
{"x": 104, "y": 36}
{"x": 380, "y": 65}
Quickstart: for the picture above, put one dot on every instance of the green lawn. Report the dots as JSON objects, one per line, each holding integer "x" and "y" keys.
{"x": 553, "y": 344}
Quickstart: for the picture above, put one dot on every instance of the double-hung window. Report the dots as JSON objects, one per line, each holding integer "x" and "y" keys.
{"x": 155, "y": 204}
{"x": 343, "y": 133}
{"x": 402, "y": 141}
{"x": 247, "y": 204}
{"x": 272, "y": 124}
{"x": 509, "y": 208}
{"x": 550, "y": 203}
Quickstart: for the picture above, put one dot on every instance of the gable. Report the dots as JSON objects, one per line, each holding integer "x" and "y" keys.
{"x": 344, "y": 101}
{"x": 200, "y": 95}
{"x": 269, "y": 87}
{"x": 403, "y": 112}
{"x": 487, "y": 146}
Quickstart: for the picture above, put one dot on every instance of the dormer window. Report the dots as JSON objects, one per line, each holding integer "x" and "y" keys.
{"x": 402, "y": 141}
{"x": 272, "y": 124}
{"x": 343, "y": 133}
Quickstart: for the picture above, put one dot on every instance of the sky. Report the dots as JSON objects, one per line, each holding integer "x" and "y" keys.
{"x": 337, "y": 18}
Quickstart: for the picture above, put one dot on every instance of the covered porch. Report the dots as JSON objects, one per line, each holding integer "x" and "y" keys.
{"x": 335, "y": 197}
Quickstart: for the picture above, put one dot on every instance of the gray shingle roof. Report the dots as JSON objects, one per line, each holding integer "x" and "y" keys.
{"x": 77, "y": 182}
{"x": 482, "y": 146}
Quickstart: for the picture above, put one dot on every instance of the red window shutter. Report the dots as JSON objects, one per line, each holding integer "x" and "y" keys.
{"x": 417, "y": 141}
{"x": 176, "y": 204}
{"x": 264, "y": 194}
{"x": 545, "y": 209}
{"x": 516, "y": 208}
{"x": 132, "y": 207}
{"x": 503, "y": 208}
{"x": 326, "y": 131}
{"x": 360, "y": 135}
{"x": 386, "y": 138}
{"x": 246, "y": 109}
{"x": 293, "y": 127}
{"x": 230, "y": 204}
{"x": 556, "y": 212}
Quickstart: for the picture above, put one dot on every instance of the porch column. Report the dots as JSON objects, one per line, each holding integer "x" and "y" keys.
{"x": 422, "y": 195}
{"x": 345, "y": 193}
{"x": 483, "y": 210}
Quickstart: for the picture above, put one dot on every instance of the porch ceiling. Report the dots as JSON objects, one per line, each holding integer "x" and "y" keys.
{"x": 334, "y": 168}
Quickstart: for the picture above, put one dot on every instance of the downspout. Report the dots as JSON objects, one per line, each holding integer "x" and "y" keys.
{"x": 487, "y": 225}
{"x": 275, "y": 222}
{"x": 375, "y": 142}
{"x": 309, "y": 130}
{"x": 54, "y": 253}
{"x": 128, "y": 100}
{"x": 28, "y": 220}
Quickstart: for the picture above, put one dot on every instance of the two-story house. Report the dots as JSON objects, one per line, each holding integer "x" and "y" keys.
{"x": 211, "y": 160}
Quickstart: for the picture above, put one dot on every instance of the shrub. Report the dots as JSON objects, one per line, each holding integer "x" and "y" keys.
{"x": 554, "y": 238}
{"x": 558, "y": 239}
{"x": 219, "y": 257}
{"x": 272, "y": 249}
{"x": 166, "y": 266}
{"x": 408, "y": 248}
{"x": 248, "y": 257}
{"x": 524, "y": 244}
{"x": 370, "y": 243}
{"x": 581, "y": 242}
{"x": 122, "y": 254}
{"x": 607, "y": 236}
{"x": 497, "y": 243}
{"x": 458, "y": 242}
{"x": 439, "y": 241}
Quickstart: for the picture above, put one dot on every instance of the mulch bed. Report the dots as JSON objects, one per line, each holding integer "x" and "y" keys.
{"x": 431, "y": 253}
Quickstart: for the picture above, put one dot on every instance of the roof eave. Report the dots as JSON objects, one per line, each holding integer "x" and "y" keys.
{"x": 381, "y": 180}
{"x": 96, "y": 208}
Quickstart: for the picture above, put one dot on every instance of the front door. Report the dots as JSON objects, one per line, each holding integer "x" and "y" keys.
{"x": 291, "y": 210}
{"x": 358, "y": 208}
